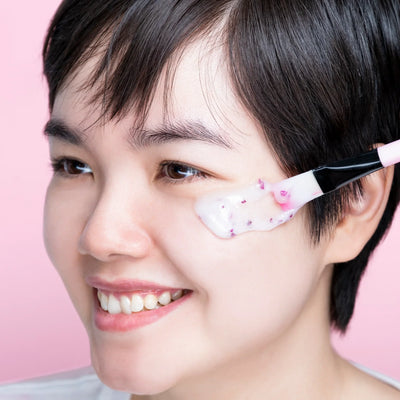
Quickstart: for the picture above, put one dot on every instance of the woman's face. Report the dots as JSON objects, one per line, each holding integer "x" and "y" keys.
{"x": 119, "y": 218}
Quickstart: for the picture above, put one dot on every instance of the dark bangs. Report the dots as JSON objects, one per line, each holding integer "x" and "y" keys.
{"x": 133, "y": 40}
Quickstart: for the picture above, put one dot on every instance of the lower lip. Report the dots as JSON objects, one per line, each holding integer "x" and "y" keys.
{"x": 124, "y": 322}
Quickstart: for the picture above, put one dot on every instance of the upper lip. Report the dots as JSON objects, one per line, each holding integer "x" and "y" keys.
{"x": 126, "y": 285}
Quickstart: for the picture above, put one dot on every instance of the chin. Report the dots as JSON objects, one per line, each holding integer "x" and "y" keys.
{"x": 138, "y": 384}
{"x": 126, "y": 375}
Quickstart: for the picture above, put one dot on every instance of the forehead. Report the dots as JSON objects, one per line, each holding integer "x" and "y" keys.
{"x": 194, "y": 86}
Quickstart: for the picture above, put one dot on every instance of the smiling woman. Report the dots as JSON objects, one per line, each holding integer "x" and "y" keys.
{"x": 156, "y": 104}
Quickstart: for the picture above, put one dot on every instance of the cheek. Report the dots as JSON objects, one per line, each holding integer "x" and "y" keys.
{"x": 252, "y": 286}
{"x": 61, "y": 229}
{"x": 60, "y": 226}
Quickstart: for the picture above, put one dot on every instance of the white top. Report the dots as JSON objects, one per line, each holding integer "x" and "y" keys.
{"x": 77, "y": 384}
{"x": 84, "y": 384}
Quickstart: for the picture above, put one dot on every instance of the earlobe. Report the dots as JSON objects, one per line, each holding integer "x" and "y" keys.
{"x": 362, "y": 217}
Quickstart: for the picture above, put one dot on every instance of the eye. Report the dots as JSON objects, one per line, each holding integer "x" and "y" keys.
{"x": 70, "y": 167}
{"x": 174, "y": 171}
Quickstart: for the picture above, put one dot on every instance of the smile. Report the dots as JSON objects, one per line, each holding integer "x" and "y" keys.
{"x": 125, "y": 305}
{"x": 137, "y": 302}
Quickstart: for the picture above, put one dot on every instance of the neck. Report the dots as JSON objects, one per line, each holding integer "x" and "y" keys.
{"x": 300, "y": 364}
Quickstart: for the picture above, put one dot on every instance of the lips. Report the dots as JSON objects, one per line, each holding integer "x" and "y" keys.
{"x": 121, "y": 306}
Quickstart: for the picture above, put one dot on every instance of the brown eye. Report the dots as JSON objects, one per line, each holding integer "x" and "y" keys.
{"x": 70, "y": 167}
{"x": 174, "y": 171}
{"x": 74, "y": 167}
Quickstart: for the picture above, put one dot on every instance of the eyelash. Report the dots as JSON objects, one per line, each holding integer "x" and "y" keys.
{"x": 184, "y": 172}
{"x": 60, "y": 167}
{"x": 194, "y": 172}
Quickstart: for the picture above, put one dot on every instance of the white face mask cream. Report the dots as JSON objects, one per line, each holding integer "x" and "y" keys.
{"x": 264, "y": 206}
{"x": 251, "y": 208}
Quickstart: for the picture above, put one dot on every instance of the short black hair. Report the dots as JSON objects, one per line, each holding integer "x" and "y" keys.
{"x": 322, "y": 77}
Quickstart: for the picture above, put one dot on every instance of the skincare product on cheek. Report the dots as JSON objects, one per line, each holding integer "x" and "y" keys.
{"x": 264, "y": 206}
{"x": 252, "y": 208}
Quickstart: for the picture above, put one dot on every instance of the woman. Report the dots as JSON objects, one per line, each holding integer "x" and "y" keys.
{"x": 155, "y": 105}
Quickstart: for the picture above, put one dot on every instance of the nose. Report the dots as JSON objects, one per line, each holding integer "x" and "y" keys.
{"x": 115, "y": 228}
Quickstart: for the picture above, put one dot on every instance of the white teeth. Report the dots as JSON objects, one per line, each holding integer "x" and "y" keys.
{"x": 165, "y": 298}
{"x": 114, "y": 306}
{"x": 150, "y": 301}
{"x": 137, "y": 303}
{"x": 125, "y": 305}
{"x": 103, "y": 301}
{"x": 177, "y": 295}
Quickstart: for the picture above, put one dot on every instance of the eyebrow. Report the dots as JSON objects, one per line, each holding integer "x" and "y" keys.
{"x": 58, "y": 129}
{"x": 140, "y": 138}
{"x": 170, "y": 132}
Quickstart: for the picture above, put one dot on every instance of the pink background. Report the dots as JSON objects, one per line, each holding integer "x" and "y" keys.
{"x": 39, "y": 331}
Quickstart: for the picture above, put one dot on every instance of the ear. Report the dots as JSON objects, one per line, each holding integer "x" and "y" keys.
{"x": 361, "y": 218}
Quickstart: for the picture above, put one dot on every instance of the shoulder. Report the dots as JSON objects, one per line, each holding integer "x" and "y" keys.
{"x": 78, "y": 384}
{"x": 381, "y": 377}
{"x": 372, "y": 385}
